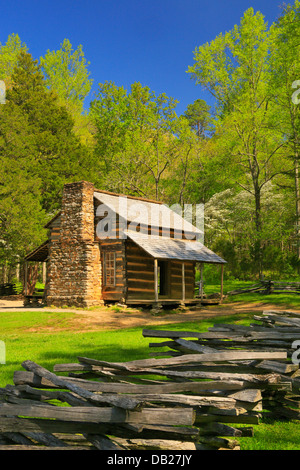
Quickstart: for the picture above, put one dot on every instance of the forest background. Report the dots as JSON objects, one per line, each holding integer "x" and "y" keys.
{"x": 240, "y": 158}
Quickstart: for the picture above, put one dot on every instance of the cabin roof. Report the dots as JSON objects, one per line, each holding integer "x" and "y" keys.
{"x": 145, "y": 212}
{"x": 150, "y": 213}
{"x": 172, "y": 248}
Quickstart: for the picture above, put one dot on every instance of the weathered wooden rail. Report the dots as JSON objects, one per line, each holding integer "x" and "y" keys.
{"x": 267, "y": 287}
{"x": 8, "y": 289}
{"x": 194, "y": 395}
{"x": 193, "y": 400}
{"x": 274, "y": 332}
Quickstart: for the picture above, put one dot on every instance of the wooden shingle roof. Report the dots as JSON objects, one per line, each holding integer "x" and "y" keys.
{"x": 39, "y": 254}
{"x": 145, "y": 212}
{"x": 172, "y": 248}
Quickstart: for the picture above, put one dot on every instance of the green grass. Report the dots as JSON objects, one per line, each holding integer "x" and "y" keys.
{"x": 30, "y": 335}
{"x": 273, "y": 435}
{"x": 49, "y": 348}
{"x": 26, "y": 337}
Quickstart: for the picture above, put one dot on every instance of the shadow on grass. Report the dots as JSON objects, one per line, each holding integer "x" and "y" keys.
{"x": 111, "y": 346}
{"x": 121, "y": 345}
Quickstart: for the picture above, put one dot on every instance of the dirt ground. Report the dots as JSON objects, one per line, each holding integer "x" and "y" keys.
{"x": 119, "y": 317}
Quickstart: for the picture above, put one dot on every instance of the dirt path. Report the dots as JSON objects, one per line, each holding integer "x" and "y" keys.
{"x": 130, "y": 318}
{"x": 113, "y": 318}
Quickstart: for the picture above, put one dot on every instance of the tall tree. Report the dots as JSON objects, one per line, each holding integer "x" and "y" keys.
{"x": 21, "y": 214}
{"x": 58, "y": 155}
{"x": 9, "y": 53}
{"x": 199, "y": 116}
{"x": 135, "y": 139}
{"x": 235, "y": 68}
{"x": 285, "y": 84}
{"x": 66, "y": 72}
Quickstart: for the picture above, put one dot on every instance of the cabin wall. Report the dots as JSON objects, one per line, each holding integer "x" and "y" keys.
{"x": 76, "y": 252}
{"x": 176, "y": 279}
{"x": 118, "y": 291}
{"x": 54, "y": 229}
{"x": 139, "y": 272}
{"x": 140, "y": 276}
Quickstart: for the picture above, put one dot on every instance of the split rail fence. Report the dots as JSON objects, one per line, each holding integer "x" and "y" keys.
{"x": 8, "y": 289}
{"x": 206, "y": 394}
{"x": 275, "y": 331}
{"x": 269, "y": 287}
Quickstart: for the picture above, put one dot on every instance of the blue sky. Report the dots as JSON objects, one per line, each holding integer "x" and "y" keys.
{"x": 149, "y": 41}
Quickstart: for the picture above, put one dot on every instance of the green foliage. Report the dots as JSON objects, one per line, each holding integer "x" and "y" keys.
{"x": 240, "y": 159}
{"x": 66, "y": 72}
{"x": 237, "y": 70}
{"x": 39, "y": 153}
{"x": 21, "y": 213}
{"x": 9, "y": 54}
{"x": 58, "y": 154}
{"x": 199, "y": 117}
{"x": 138, "y": 138}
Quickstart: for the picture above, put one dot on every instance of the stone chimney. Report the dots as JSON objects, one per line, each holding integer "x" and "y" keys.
{"x": 74, "y": 266}
{"x": 77, "y": 212}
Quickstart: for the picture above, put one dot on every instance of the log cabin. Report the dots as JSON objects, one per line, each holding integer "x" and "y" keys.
{"x": 104, "y": 247}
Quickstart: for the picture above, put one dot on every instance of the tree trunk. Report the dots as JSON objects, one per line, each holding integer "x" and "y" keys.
{"x": 255, "y": 170}
{"x": 297, "y": 197}
{"x": 258, "y": 245}
{"x": 32, "y": 278}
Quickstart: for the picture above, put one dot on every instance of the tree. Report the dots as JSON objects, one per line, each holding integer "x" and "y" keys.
{"x": 21, "y": 214}
{"x": 235, "y": 68}
{"x": 66, "y": 72}
{"x": 231, "y": 232}
{"x": 135, "y": 138}
{"x": 285, "y": 86}
{"x": 9, "y": 53}
{"x": 58, "y": 156}
{"x": 199, "y": 117}
{"x": 39, "y": 153}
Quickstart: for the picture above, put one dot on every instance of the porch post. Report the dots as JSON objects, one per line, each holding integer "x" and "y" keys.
{"x": 156, "y": 279}
{"x": 222, "y": 276}
{"x": 201, "y": 281}
{"x": 26, "y": 278}
{"x": 44, "y": 273}
{"x": 183, "y": 282}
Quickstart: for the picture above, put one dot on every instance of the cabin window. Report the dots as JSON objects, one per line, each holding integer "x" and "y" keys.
{"x": 109, "y": 269}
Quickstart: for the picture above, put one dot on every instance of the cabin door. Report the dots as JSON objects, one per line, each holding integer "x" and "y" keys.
{"x": 163, "y": 278}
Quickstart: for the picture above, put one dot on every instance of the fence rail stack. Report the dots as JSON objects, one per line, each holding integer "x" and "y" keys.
{"x": 204, "y": 392}
{"x": 275, "y": 331}
{"x": 8, "y": 289}
{"x": 269, "y": 287}
{"x": 169, "y": 403}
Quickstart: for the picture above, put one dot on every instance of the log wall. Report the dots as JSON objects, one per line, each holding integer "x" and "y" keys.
{"x": 176, "y": 279}
{"x": 118, "y": 291}
{"x": 140, "y": 273}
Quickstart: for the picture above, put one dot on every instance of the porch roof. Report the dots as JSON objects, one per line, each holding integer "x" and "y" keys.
{"x": 39, "y": 254}
{"x": 172, "y": 248}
